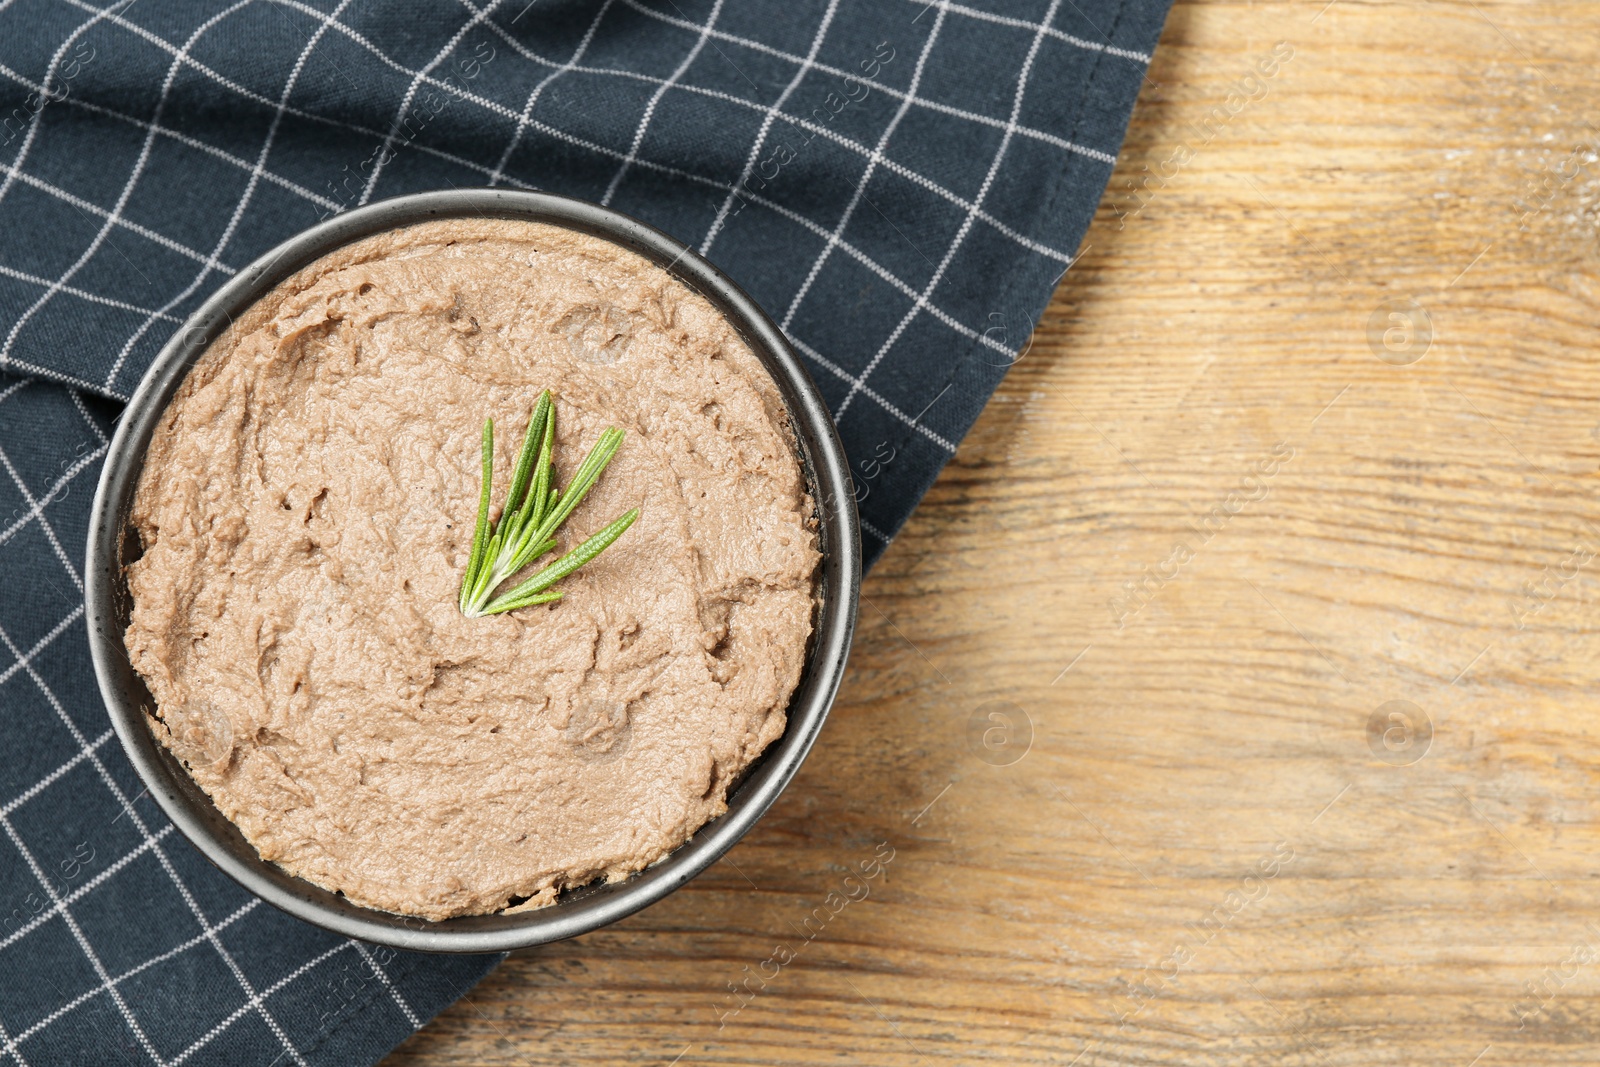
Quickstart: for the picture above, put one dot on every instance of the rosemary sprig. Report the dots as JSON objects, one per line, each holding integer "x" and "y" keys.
{"x": 534, "y": 511}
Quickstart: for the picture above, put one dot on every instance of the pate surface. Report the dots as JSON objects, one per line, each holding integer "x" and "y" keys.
{"x": 306, "y": 510}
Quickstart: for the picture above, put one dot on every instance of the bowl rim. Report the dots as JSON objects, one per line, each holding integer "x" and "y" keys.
{"x": 578, "y": 911}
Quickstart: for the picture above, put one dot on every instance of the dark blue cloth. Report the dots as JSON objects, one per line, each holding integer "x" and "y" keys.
{"x": 899, "y": 183}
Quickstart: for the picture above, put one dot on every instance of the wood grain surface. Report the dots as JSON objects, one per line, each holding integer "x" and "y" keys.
{"x": 1275, "y": 557}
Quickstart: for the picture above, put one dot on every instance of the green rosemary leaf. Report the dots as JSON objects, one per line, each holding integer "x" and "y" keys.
{"x": 486, "y": 579}
{"x": 543, "y": 484}
{"x": 535, "y": 509}
{"x": 496, "y": 607}
{"x": 587, "y": 474}
{"x": 598, "y": 543}
{"x": 481, "y": 533}
{"x": 528, "y": 551}
{"x": 511, "y": 518}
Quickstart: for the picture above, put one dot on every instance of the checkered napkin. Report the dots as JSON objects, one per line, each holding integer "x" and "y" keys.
{"x": 899, "y": 183}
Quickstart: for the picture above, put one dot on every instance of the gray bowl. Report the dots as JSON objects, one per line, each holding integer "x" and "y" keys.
{"x": 112, "y": 544}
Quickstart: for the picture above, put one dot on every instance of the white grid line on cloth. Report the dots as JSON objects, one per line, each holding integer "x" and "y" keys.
{"x": 655, "y": 99}
{"x": 394, "y": 990}
{"x": 182, "y": 138}
{"x": 235, "y": 87}
{"x": 533, "y": 97}
{"x": 15, "y": 365}
{"x": 37, "y": 508}
{"x": 127, "y": 187}
{"x": 83, "y": 942}
{"x": 1024, "y": 131}
{"x": 81, "y": 294}
{"x": 897, "y": 94}
{"x": 961, "y": 202}
{"x": 766, "y": 126}
{"x": 411, "y": 93}
{"x": 256, "y": 1000}
{"x": 966, "y": 225}
{"x": 1047, "y": 29}
{"x": 244, "y": 200}
{"x": 161, "y": 857}
{"x": 39, "y": 646}
{"x": 44, "y": 1023}
{"x": 86, "y": 888}
{"x": 217, "y": 1030}
{"x": 9, "y": 1047}
{"x": 55, "y": 376}
{"x": 525, "y": 119}
{"x": 54, "y": 776}
{"x": 866, "y": 176}
{"x": 83, "y": 409}
{"x": 37, "y": 512}
{"x": 959, "y": 9}
{"x": 873, "y": 530}
{"x": 830, "y": 134}
{"x": 96, "y": 14}
{"x": 866, "y": 261}
{"x": 883, "y": 402}
{"x": 85, "y": 205}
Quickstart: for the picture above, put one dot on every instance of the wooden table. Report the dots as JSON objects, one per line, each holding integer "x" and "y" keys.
{"x": 1276, "y": 556}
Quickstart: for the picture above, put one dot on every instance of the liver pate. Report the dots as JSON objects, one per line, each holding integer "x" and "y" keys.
{"x": 306, "y": 510}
